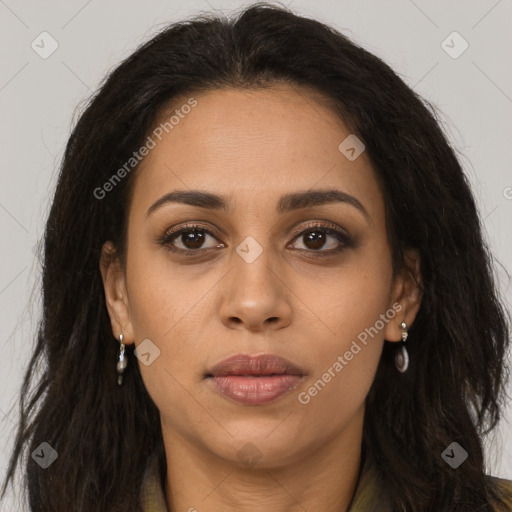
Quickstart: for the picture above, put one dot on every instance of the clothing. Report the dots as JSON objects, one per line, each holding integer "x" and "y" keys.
{"x": 152, "y": 493}
{"x": 369, "y": 496}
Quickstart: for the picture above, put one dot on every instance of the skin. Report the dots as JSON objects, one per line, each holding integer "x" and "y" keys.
{"x": 252, "y": 147}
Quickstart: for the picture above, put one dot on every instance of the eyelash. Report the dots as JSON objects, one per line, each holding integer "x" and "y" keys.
{"x": 329, "y": 229}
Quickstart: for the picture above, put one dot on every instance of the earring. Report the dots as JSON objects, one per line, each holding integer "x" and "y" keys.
{"x": 121, "y": 362}
{"x": 401, "y": 356}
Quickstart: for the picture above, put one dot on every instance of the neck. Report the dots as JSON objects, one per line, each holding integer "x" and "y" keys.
{"x": 324, "y": 478}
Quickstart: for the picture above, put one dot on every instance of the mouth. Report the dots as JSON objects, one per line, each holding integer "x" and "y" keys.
{"x": 254, "y": 380}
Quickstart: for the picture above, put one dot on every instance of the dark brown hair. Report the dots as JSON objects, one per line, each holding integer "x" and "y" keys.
{"x": 454, "y": 388}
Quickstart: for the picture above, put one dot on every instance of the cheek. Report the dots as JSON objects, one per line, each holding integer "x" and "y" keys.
{"x": 171, "y": 308}
{"x": 353, "y": 296}
{"x": 160, "y": 296}
{"x": 345, "y": 363}
{"x": 354, "y": 312}
{"x": 162, "y": 310}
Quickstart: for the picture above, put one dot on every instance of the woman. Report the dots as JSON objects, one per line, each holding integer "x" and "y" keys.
{"x": 265, "y": 288}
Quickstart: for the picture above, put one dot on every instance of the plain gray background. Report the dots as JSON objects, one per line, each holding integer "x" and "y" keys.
{"x": 39, "y": 97}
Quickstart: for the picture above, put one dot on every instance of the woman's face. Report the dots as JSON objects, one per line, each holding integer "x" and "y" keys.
{"x": 306, "y": 279}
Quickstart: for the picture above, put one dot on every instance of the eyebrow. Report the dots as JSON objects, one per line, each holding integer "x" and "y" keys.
{"x": 286, "y": 203}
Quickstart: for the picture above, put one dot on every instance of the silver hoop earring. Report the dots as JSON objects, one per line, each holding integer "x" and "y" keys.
{"x": 121, "y": 362}
{"x": 402, "y": 356}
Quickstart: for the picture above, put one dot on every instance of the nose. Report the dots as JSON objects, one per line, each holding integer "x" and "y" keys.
{"x": 255, "y": 295}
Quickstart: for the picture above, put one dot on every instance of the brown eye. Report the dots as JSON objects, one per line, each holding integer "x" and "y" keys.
{"x": 314, "y": 239}
{"x": 317, "y": 238}
{"x": 321, "y": 238}
{"x": 192, "y": 239}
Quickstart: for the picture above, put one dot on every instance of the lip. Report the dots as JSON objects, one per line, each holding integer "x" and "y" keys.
{"x": 262, "y": 364}
{"x": 254, "y": 380}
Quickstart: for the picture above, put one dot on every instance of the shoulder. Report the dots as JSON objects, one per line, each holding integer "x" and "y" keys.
{"x": 504, "y": 488}
{"x": 152, "y": 491}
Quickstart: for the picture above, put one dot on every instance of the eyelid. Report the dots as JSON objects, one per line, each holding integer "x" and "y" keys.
{"x": 190, "y": 227}
{"x": 319, "y": 224}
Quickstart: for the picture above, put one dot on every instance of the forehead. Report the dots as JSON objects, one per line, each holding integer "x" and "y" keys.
{"x": 254, "y": 145}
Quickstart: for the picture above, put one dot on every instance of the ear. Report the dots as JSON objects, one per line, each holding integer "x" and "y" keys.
{"x": 116, "y": 298}
{"x": 406, "y": 295}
